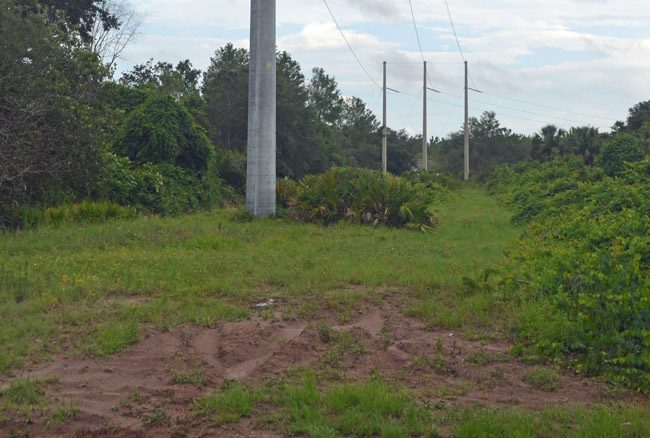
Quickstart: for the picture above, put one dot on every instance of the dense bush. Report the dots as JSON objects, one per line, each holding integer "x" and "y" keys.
{"x": 359, "y": 196}
{"x": 582, "y": 268}
{"x": 161, "y": 188}
{"x": 435, "y": 181}
{"x": 162, "y": 131}
{"x": 621, "y": 149}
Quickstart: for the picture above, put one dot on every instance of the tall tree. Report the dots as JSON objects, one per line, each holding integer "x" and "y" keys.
{"x": 225, "y": 90}
{"x": 325, "y": 97}
{"x": 583, "y": 141}
{"x": 51, "y": 120}
{"x": 547, "y": 142}
{"x": 358, "y": 134}
{"x": 74, "y": 16}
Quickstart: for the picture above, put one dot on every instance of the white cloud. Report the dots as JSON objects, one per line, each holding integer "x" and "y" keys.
{"x": 589, "y": 56}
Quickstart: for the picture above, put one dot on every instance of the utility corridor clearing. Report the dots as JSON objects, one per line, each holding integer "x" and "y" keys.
{"x": 214, "y": 325}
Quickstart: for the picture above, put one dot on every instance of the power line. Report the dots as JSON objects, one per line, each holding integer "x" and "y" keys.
{"x": 415, "y": 26}
{"x": 460, "y": 50}
{"x": 349, "y": 46}
{"x": 453, "y": 27}
{"x": 548, "y": 107}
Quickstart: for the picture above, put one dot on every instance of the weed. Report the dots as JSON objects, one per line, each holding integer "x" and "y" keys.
{"x": 543, "y": 378}
{"x": 194, "y": 377}
{"x": 62, "y": 412}
{"x": 228, "y": 404}
{"x": 157, "y": 416}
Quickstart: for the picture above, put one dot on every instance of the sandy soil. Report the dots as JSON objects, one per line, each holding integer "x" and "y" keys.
{"x": 125, "y": 394}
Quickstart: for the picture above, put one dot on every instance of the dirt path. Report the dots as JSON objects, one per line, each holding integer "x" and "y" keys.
{"x": 146, "y": 390}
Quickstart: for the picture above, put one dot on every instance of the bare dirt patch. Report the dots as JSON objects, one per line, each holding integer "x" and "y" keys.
{"x": 148, "y": 389}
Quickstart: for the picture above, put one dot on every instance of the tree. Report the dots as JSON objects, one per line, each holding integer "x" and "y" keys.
{"x": 583, "y": 141}
{"x": 108, "y": 42}
{"x": 358, "y": 134}
{"x": 638, "y": 116}
{"x": 304, "y": 144}
{"x": 73, "y": 16}
{"x": 162, "y": 131}
{"x": 52, "y": 123}
{"x": 547, "y": 143}
{"x": 490, "y": 144}
{"x": 225, "y": 90}
{"x": 622, "y": 148}
{"x": 325, "y": 97}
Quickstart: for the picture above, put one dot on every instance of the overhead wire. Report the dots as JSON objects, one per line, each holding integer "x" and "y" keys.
{"x": 349, "y": 46}
{"x": 462, "y": 55}
{"x": 417, "y": 34}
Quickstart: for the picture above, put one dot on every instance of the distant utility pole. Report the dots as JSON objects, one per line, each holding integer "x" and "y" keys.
{"x": 425, "y": 143}
{"x": 261, "y": 165}
{"x": 466, "y": 124}
{"x": 384, "y": 134}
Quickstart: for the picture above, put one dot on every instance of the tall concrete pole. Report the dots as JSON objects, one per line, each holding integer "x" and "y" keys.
{"x": 466, "y": 123}
{"x": 261, "y": 165}
{"x": 384, "y": 134}
{"x": 425, "y": 142}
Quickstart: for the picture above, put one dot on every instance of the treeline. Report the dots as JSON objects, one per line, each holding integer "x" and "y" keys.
{"x": 169, "y": 138}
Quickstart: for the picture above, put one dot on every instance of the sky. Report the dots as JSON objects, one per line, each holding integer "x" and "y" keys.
{"x": 537, "y": 62}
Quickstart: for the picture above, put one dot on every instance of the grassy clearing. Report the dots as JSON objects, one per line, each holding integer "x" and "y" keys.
{"x": 311, "y": 408}
{"x": 92, "y": 288}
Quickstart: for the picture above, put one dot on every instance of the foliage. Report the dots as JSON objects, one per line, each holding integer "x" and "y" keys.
{"x": 622, "y": 148}
{"x": 359, "y": 196}
{"x": 87, "y": 212}
{"x": 78, "y": 16}
{"x": 161, "y": 188}
{"x": 161, "y": 131}
{"x": 490, "y": 144}
{"x": 52, "y": 123}
{"x": 583, "y": 266}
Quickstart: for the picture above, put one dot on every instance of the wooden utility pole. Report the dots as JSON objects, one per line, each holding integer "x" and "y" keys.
{"x": 425, "y": 142}
{"x": 466, "y": 150}
{"x": 384, "y": 135}
{"x": 261, "y": 164}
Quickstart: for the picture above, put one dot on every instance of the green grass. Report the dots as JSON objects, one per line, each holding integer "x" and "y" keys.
{"x": 543, "y": 378}
{"x": 228, "y": 404}
{"x": 93, "y": 286}
{"x": 95, "y": 289}
{"x": 361, "y": 409}
{"x": 622, "y": 421}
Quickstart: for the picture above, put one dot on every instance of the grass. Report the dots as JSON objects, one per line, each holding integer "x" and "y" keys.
{"x": 622, "y": 421}
{"x": 542, "y": 378}
{"x": 22, "y": 398}
{"x": 93, "y": 288}
{"x": 228, "y": 404}
{"x": 96, "y": 289}
{"x": 359, "y": 409}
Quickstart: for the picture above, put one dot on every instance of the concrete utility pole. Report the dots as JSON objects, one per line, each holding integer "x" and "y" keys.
{"x": 261, "y": 165}
{"x": 466, "y": 124}
{"x": 425, "y": 142}
{"x": 384, "y": 135}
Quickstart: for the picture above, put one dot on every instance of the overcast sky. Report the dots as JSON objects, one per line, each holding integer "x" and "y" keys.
{"x": 589, "y": 58}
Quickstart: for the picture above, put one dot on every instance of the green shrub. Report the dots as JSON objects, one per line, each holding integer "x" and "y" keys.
{"x": 584, "y": 263}
{"x": 162, "y": 131}
{"x": 161, "y": 188}
{"x": 359, "y": 196}
{"x": 87, "y": 212}
{"x": 436, "y": 181}
{"x": 623, "y": 148}
{"x": 542, "y": 378}
{"x": 20, "y": 217}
